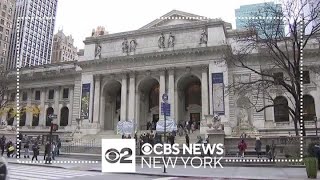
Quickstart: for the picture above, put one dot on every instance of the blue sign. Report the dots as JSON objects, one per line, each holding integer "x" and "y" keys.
{"x": 217, "y": 78}
{"x": 165, "y": 109}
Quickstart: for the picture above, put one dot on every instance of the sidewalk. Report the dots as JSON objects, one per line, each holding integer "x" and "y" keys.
{"x": 181, "y": 171}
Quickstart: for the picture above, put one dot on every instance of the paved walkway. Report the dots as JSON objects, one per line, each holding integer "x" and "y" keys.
{"x": 278, "y": 173}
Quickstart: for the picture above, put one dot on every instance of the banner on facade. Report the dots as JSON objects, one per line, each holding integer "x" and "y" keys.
{"x": 218, "y": 93}
{"x": 85, "y": 101}
{"x": 125, "y": 127}
{"x": 170, "y": 126}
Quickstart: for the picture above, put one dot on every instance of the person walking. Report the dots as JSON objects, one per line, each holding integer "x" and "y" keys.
{"x": 2, "y": 144}
{"x": 273, "y": 150}
{"x": 187, "y": 140}
{"x": 258, "y": 147}
{"x": 53, "y": 150}
{"x": 26, "y": 150}
{"x": 46, "y": 150}
{"x": 35, "y": 149}
{"x": 242, "y": 146}
{"x": 58, "y": 147}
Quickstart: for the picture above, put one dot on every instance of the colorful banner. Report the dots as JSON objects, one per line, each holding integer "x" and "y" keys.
{"x": 170, "y": 126}
{"x": 125, "y": 127}
{"x": 85, "y": 101}
{"x": 218, "y": 93}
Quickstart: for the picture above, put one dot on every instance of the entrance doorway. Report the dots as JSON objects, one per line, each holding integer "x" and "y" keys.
{"x": 195, "y": 118}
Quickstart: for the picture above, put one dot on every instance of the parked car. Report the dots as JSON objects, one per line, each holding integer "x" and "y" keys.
{"x": 3, "y": 169}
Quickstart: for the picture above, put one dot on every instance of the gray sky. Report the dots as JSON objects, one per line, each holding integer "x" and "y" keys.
{"x": 79, "y": 17}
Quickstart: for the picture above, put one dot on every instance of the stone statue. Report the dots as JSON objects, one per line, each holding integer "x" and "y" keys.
{"x": 243, "y": 118}
{"x": 203, "y": 37}
{"x": 216, "y": 123}
{"x": 171, "y": 40}
{"x": 161, "y": 41}
{"x": 125, "y": 46}
{"x": 98, "y": 51}
{"x": 133, "y": 45}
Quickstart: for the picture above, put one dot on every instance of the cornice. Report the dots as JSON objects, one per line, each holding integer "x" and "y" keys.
{"x": 153, "y": 55}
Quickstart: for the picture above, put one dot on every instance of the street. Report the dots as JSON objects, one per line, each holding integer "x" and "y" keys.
{"x": 27, "y": 172}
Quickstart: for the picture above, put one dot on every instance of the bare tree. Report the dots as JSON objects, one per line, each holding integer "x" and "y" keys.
{"x": 279, "y": 54}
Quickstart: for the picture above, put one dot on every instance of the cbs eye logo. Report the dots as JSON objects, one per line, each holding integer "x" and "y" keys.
{"x": 146, "y": 149}
{"x": 113, "y": 155}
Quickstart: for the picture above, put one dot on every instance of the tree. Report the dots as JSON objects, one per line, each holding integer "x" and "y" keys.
{"x": 4, "y": 81}
{"x": 264, "y": 39}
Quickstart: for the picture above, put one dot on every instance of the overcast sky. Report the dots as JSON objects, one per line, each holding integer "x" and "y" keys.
{"x": 79, "y": 17}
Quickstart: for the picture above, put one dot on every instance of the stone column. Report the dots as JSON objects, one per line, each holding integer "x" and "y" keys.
{"x": 132, "y": 93}
{"x": 171, "y": 94}
{"x": 96, "y": 109}
{"x": 137, "y": 116}
{"x": 123, "y": 114}
{"x": 162, "y": 90}
{"x": 29, "y": 114}
{"x": 56, "y": 105}
{"x": 43, "y": 110}
{"x": 204, "y": 92}
{"x": 71, "y": 106}
{"x": 4, "y": 115}
{"x": 102, "y": 110}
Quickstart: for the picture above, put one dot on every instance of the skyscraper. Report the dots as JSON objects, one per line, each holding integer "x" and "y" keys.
{"x": 63, "y": 48}
{"x": 6, "y": 21}
{"x": 267, "y": 11}
{"x": 36, "y": 19}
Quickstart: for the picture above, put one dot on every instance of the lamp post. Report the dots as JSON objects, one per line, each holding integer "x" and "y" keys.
{"x": 316, "y": 124}
{"x": 164, "y": 109}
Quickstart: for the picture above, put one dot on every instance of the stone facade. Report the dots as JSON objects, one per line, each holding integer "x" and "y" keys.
{"x": 63, "y": 48}
{"x": 122, "y": 77}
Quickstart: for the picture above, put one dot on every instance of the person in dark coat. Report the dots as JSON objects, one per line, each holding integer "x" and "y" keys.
{"x": 46, "y": 150}
{"x": 2, "y": 144}
{"x": 58, "y": 147}
{"x": 35, "y": 149}
{"x": 187, "y": 140}
{"x": 258, "y": 147}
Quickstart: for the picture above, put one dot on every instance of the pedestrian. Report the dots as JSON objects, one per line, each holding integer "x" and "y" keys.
{"x": 58, "y": 147}
{"x": 273, "y": 150}
{"x": 2, "y": 144}
{"x": 242, "y": 146}
{"x": 46, "y": 150}
{"x": 187, "y": 140}
{"x": 258, "y": 147}
{"x": 192, "y": 127}
{"x": 35, "y": 149}
{"x": 53, "y": 150}
{"x": 10, "y": 148}
{"x": 129, "y": 136}
{"x": 26, "y": 150}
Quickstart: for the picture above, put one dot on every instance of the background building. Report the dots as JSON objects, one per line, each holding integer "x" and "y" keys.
{"x": 100, "y": 31}
{"x": 36, "y": 32}
{"x": 267, "y": 9}
{"x": 63, "y": 49}
{"x": 6, "y": 20}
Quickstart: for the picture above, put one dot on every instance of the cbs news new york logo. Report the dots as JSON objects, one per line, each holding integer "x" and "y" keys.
{"x": 118, "y": 155}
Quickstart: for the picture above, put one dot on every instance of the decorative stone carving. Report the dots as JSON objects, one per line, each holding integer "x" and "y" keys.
{"x": 98, "y": 51}
{"x": 204, "y": 37}
{"x": 161, "y": 41}
{"x": 171, "y": 40}
{"x": 133, "y": 45}
{"x": 125, "y": 46}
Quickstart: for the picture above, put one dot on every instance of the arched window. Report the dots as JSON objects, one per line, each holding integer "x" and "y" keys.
{"x": 64, "y": 116}
{"x": 281, "y": 109}
{"x": 10, "y": 117}
{"x": 309, "y": 110}
{"x": 35, "y": 117}
{"x": 23, "y": 118}
{"x": 50, "y": 111}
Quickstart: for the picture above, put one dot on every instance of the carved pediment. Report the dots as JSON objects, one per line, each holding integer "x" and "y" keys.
{"x": 174, "y": 17}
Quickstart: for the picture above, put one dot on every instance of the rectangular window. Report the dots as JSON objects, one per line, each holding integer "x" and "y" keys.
{"x": 65, "y": 93}
{"x": 51, "y": 94}
{"x": 306, "y": 77}
{"x": 278, "y": 77}
{"x": 24, "y": 96}
{"x": 37, "y": 96}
